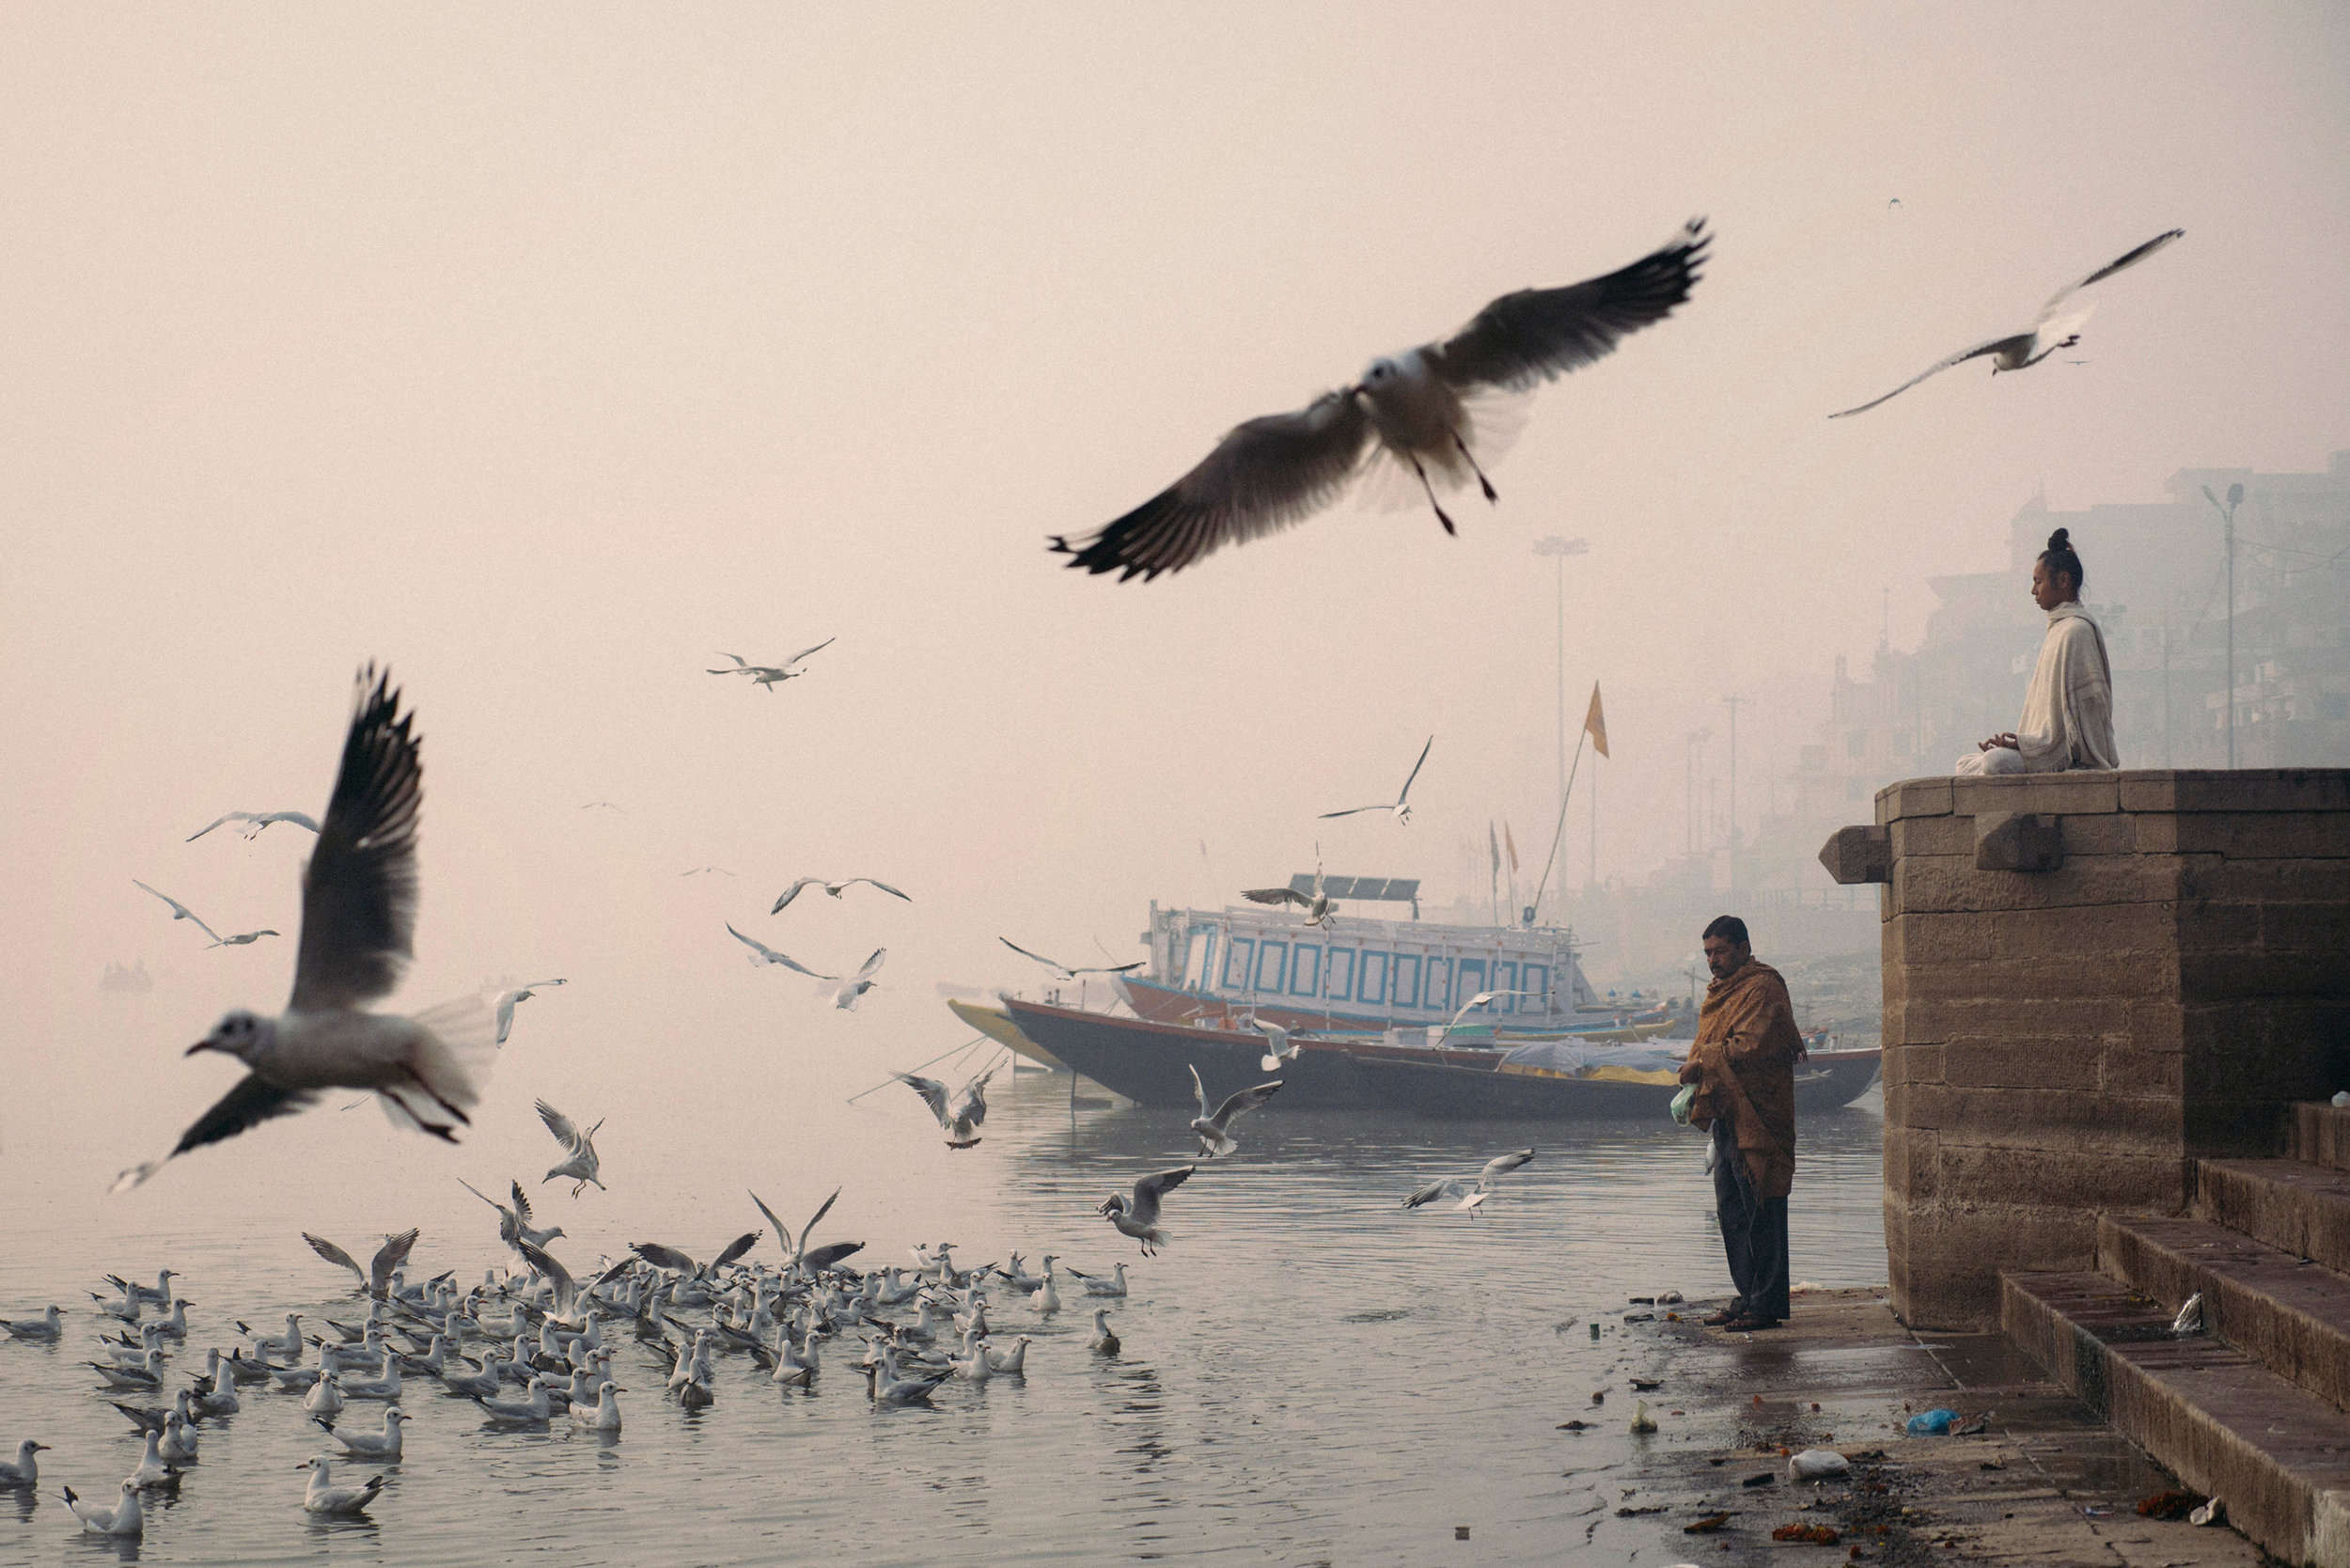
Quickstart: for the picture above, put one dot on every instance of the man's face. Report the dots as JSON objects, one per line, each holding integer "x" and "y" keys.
{"x": 2050, "y": 590}
{"x": 1725, "y": 957}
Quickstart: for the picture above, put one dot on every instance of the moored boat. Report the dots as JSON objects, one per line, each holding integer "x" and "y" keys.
{"x": 1824, "y": 1080}
{"x": 995, "y": 1022}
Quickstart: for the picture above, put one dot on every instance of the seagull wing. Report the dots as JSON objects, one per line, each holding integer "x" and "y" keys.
{"x": 662, "y": 1257}
{"x": 739, "y": 665}
{"x": 1355, "y": 811}
{"x": 831, "y": 1253}
{"x": 1264, "y": 475}
{"x": 1200, "y": 1088}
{"x": 2129, "y": 259}
{"x": 1246, "y": 1100}
{"x": 872, "y": 964}
{"x": 231, "y": 816}
{"x": 359, "y": 893}
{"x": 933, "y": 1094}
{"x": 758, "y": 946}
{"x": 1536, "y": 335}
{"x": 1049, "y": 964}
{"x": 566, "y": 1288}
{"x": 521, "y": 1204}
{"x": 180, "y": 911}
{"x": 1448, "y": 1188}
{"x": 1407, "y": 791}
{"x": 806, "y": 652}
{"x": 1151, "y": 1188}
{"x": 391, "y": 1255}
{"x": 1501, "y": 1164}
{"x": 883, "y": 885}
{"x": 823, "y": 1209}
{"x": 1991, "y": 346}
{"x": 789, "y": 894}
{"x": 334, "y": 1254}
{"x": 483, "y": 1196}
{"x": 1110, "y": 968}
{"x": 300, "y": 819}
{"x": 736, "y": 1248}
{"x": 560, "y": 1125}
{"x": 250, "y": 1104}
{"x": 1274, "y": 895}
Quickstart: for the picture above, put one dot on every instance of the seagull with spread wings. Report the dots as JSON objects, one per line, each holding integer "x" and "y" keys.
{"x": 834, "y": 888}
{"x": 1063, "y": 971}
{"x": 798, "y": 1255}
{"x": 579, "y": 1150}
{"x": 1316, "y": 904}
{"x": 514, "y": 1228}
{"x": 1399, "y": 808}
{"x": 1138, "y": 1215}
{"x": 762, "y": 954}
{"x": 507, "y": 1000}
{"x": 670, "y": 1258}
{"x": 959, "y": 1114}
{"x": 2050, "y": 332}
{"x": 358, "y": 925}
{"x": 250, "y": 824}
{"x": 1432, "y": 411}
{"x": 845, "y": 995}
{"x": 1471, "y": 1193}
{"x": 1213, "y": 1130}
{"x": 182, "y": 912}
{"x": 375, "y": 1279}
{"x": 767, "y": 675}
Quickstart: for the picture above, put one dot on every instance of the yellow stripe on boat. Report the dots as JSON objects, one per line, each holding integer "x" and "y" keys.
{"x": 995, "y": 1022}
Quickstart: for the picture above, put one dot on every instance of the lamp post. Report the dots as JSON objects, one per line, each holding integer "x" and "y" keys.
{"x": 2227, "y": 514}
{"x": 1689, "y": 791}
{"x": 1558, "y": 550}
{"x": 1733, "y": 700}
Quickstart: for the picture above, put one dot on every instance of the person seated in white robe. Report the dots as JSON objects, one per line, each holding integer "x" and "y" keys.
{"x": 2068, "y": 710}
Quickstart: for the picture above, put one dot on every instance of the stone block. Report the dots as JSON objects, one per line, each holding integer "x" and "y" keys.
{"x": 2057, "y": 793}
{"x": 2018, "y": 986}
{"x": 1933, "y": 836}
{"x": 2244, "y": 835}
{"x": 1914, "y": 797}
{"x": 2012, "y": 1063}
{"x": 1926, "y": 939}
{"x": 2017, "y": 841}
{"x": 1946, "y": 884}
{"x": 2027, "y": 1178}
{"x": 2241, "y": 789}
{"x": 2234, "y": 1129}
{"x": 2248, "y": 879}
{"x": 2262, "y": 972}
{"x": 2048, "y": 1118}
{"x": 2126, "y": 1069}
{"x": 1858, "y": 855}
{"x": 2084, "y": 936}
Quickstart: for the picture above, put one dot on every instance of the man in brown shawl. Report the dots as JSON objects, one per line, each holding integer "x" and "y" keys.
{"x": 1744, "y": 1063}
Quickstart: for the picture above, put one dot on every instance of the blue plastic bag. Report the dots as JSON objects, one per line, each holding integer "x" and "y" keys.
{"x": 1934, "y": 1423}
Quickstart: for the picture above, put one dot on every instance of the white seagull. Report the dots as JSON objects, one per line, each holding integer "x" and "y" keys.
{"x": 1215, "y": 1138}
{"x": 1064, "y": 971}
{"x": 1279, "y": 1047}
{"x": 515, "y": 1227}
{"x": 834, "y": 888}
{"x": 376, "y": 1280}
{"x": 1104, "y": 1340}
{"x": 1432, "y": 407}
{"x": 1400, "y": 809}
{"x": 958, "y": 1116}
{"x": 1317, "y": 903}
{"x": 1473, "y": 1004}
{"x": 358, "y": 922}
{"x": 250, "y": 824}
{"x": 797, "y": 1255}
{"x": 767, "y": 675}
{"x": 579, "y": 1150}
{"x": 507, "y": 1000}
{"x": 1472, "y": 1194}
{"x": 384, "y": 1444}
{"x": 124, "y": 1518}
{"x": 1138, "y": 1217}
{"x": 45, "y": 1327}
{"x": 323, "y": 1496}
{"x": 26, "y": 1470}
{"x": 2016, "y": 351}
{"x": 762, "y": 954}
{"x": 182, "y": 912}
{"x": 845, "y": 995}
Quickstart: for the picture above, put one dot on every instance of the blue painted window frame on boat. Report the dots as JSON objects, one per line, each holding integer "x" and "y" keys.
{"x": 1406, "y": 980}
{"x": 1467, "y": 986}
{"x": 1306, "y": 970}
{"x": 1538, "y": 981}
{"x": 1439, "y": 983}
{"x": 1199, "y": 960}
{"x": 1273, "y": 962}
{"x": 1372, "y": 987}
{"x": 1505, "y": 979}
{"x": 1341, "y": 973}
{"x": 1239, "y": 953}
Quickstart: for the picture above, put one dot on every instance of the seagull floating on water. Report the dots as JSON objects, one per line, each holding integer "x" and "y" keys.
{"x": 1432, "y": 407}
{"x": 323, "y": 1496}
{"x": 26, "y": 1470}
{"x": 124, "y": 1518}
{"x": 1064, "y": 971}
{"x": 358, "y": 920}
{"x": 182, "y": 912}
{"x": 2018, "y": 350}
{"x": 834, "y": 888}
{"x": 250, "y": 824}
{"x": 1138, "y": 1215}
{"x": 959, "y": 1117}
{"x": 44, "y": 1327}
{"x": 1401, "y": 808}
{"x": 384, "y": 1444}
{"x": 1215, "y": 1138}
{"x": 1104, "y": 1340}
{"x": 767, "y": 675}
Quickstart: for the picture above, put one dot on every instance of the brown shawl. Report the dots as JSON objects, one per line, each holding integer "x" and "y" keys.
{"x": 1747, "y": 1045}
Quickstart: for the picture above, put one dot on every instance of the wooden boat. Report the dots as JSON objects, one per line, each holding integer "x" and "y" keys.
{"x": 995, "y": 1022}
{"x": 1824, "y": 1080}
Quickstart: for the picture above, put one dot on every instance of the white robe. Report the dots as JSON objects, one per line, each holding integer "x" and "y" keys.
{"x": 2068, "y": 708}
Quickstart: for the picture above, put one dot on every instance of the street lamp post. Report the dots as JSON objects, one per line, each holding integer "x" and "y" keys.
{"x": 1689, "y": 791}
{"x": 1734, "y": 702}
{"x": 2227, "y": 513}
{"x": 1558, "y": 550}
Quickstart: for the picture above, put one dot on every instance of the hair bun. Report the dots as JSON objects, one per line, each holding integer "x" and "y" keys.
{"x": 2061, "y": 540}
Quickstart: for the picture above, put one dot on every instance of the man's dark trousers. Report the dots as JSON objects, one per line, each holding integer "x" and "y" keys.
{"x": 1754, "y": 1230}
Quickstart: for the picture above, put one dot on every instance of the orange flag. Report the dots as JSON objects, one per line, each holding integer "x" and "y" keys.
{"x": 1510, "y": 844}
{"x": 1595, "y": 723}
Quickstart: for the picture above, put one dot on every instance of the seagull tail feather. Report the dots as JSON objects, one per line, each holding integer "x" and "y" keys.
{"x": 459, "y": 1049}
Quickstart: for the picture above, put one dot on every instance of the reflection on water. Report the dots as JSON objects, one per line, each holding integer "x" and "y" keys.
{"x": 1308, "y": 1373}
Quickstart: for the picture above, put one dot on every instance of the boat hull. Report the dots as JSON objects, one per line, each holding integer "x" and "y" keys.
{"x": 1166, "y": 1004}
{"x": 1824, "y": 1081}
{"x": 995, "y": 1022}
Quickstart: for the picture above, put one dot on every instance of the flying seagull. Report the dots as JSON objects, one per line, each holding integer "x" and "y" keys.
{"x": 670, "y": 1258}
{"x": 767, "y": 675}
{"x": 845, "y": 995}
{"x": 1401, "y": 808}
{"x": 509, "y": 1000}
{"x": 182, "y": 912}
{"x": 579, "y": 1150}
{"x": 762, "y": 954}
{"x": 960, "y": 1115}
{"x": 375, "y": 1280}
{"x": 251, "y": 822}
{"x": 2048, "y": 331}
{"x": 1428, "y": 408}
{"x": 1138, "y": 1217}
{"x": 515, "y": 1227}
{"x": 1215, "y": 1131}
{"x": 1472, "y": 1194}
{"x": 358, "y": 925}
{"x": 1062, "y": 970}
{"x": 797, "y": 1253}
{"x": 707, "y": 871}
{"x": 1316, "y": 904}
{"x": 834, "y": 888}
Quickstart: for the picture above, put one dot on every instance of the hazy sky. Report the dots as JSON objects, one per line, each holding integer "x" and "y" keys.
{"x": 544, "y": 351}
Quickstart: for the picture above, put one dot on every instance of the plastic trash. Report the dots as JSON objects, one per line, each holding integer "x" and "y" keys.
{"x": 1641, "y": 1420}
{"x": 1817, "y": 1465}
{"x": 1934, "y": 1423}
{"x": 1690, "y": 1093}
{"x": 2191, "y": 1318}
{"x": 2210, "y": 1513}
{"x": 2341, "y": 1098}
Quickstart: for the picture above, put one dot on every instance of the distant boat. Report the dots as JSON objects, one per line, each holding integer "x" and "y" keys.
{"x": 995, "y": 1022}
{"x": 134, "y": 978}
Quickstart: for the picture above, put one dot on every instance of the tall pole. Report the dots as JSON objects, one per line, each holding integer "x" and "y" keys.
{"x": 2227, "y": 513}
{"x": 1558, "y": 550}
{"x": 1734, "y": 702}
{"x": 1689, "y": 790}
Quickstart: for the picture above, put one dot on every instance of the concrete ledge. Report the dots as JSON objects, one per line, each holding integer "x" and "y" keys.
{"x": 2320, "y": 1133}
{"x": 2292, "y": 1317}
{"x": 2294, "y": 1207}
{"x": 2226, "y": 1426}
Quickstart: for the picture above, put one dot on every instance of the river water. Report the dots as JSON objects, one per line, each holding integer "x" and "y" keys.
{"x": 1310, "y": 1374}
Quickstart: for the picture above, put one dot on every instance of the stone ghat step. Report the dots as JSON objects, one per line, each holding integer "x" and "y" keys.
{"x": 2320, "y": 1133}
{"x": 2225, "y": 1425}
{"x": 2291, "y": 1316}
{"x": 2294, "y": 1207}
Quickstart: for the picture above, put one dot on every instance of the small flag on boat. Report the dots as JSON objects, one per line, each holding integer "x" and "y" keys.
{"x": 1494, "y": 845}
{"x": 1511, "y": 845}
{"x": 1595, "y": 723}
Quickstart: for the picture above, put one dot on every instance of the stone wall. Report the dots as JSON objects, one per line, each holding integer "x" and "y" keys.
{"x": 2092, "y": 979}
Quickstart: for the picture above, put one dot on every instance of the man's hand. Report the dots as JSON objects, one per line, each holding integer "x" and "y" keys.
{"x": 2002, "y": 742}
